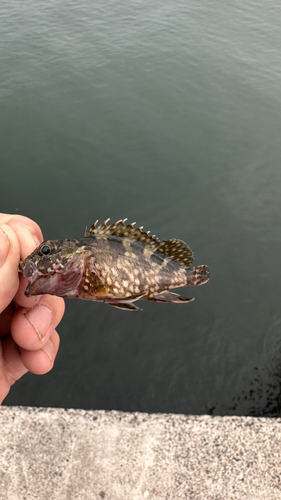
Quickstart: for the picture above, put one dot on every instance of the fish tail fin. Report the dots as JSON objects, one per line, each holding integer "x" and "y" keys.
{"x": 197, "y": 275}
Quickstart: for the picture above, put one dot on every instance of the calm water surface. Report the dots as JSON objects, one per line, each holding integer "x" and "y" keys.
{"x": 168, "y": 113}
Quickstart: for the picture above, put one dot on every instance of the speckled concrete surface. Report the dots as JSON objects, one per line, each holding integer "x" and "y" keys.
{"x": 74, "y": 454}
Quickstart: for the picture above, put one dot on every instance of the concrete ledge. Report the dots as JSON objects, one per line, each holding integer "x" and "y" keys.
{"x": 58, "y": 454}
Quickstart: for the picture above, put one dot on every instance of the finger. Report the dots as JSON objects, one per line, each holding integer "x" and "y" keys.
{"x": 42, "y": 360}
{"x": 9, "y": 261}
{"x": 16, "y": 362}
{"x": 24, "y": 227}
{"x": 31, "y": 328}
{"x": 16, "y": 241}
{"x": 29, "y": 236}
{"x": 11, "y": 366}
{"x": 5, "y": 320}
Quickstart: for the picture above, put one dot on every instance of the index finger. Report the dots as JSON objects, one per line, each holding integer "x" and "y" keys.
{"x": 9, "y": 261}
{"x": 28, "y": 232}
{"x": 29, "y": 236}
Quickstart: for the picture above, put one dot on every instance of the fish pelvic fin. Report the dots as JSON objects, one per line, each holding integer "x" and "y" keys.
{"x": 126, "y": 306}
{"x": 125, "y": 303}
{"x": 197, "y": 275}
{"x": 171, "y": 297}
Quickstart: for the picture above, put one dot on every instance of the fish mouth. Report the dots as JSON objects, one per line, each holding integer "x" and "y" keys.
{"x": 38, "y": 283}
{"x": 35, "y": 286}
{"x": 36, "y": 280}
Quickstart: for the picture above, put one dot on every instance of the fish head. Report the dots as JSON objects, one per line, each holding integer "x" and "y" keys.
{"x": 55, "y": 267}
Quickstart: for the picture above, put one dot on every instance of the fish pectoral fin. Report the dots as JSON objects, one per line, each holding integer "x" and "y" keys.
{"x": 127, "y": 306}
{"x": 167, "y": 296}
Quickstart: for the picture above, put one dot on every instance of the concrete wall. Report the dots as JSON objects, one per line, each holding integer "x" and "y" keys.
{"x": 58, "y": 454}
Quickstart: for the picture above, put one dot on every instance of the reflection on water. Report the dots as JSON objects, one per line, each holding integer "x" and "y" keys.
{"x": 168, "y": 113}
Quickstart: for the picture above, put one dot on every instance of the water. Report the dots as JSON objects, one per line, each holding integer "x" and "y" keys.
{"x": 168, "y": 113}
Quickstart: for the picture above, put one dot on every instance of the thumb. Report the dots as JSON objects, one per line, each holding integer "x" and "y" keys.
{"x": 9, "y": 262}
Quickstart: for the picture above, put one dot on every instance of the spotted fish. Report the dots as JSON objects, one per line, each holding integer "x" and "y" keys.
{"x": 117, "y": 264}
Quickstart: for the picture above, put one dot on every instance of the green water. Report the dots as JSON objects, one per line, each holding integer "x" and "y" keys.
{"x": 168, "y": 113}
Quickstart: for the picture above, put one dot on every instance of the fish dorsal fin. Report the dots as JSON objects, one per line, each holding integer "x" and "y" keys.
{"x": 174, "y": 249}
{"x": 120, "y": 229}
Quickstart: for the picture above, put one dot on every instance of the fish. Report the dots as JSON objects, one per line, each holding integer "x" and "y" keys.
{"x": 117, "y": 264}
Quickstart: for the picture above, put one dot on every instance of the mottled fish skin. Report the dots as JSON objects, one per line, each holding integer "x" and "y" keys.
{"x": 117, "y": 264}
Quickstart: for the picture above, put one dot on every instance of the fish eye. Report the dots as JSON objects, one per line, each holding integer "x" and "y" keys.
{"x": 46, "y": 248}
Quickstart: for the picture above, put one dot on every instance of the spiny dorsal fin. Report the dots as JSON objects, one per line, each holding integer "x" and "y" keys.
{"x": 120, "y": 229}
{"x": 174, "y": 249}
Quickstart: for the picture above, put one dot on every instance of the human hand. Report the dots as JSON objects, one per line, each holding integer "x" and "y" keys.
{"x": 28, "y": 339}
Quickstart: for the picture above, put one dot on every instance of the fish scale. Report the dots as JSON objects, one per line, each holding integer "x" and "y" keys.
{"x": 117, "y": 264}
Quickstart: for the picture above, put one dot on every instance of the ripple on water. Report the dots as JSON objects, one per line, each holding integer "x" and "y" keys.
{"x": 272, "y": 349}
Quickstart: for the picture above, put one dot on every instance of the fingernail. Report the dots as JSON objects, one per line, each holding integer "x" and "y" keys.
{"x": 37, "y": 242}
{"x": 4, "y": 246}
{"x": 40, "y": 318}
{"x": 49, "y": 350}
